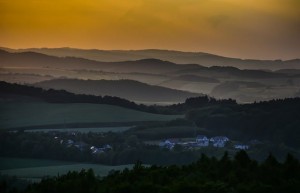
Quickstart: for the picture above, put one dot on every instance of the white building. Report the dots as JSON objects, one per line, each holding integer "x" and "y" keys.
{"x": 202, "y": 141}
{"x": 241, "y": 146}
{"x": 167, "y": 144}
{"x": 219, "y": 141}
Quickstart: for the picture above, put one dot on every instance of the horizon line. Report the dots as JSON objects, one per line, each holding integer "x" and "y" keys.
{"x": 147, "y": 49}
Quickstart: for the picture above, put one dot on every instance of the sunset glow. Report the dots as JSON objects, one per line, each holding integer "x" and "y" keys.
{"x": 263, "y": 29}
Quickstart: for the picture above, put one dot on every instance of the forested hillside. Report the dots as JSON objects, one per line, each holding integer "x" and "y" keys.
{"x": 239, "y": 174}
{"x": 276, "y": 120}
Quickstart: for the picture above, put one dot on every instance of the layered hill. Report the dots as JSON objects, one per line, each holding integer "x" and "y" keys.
{"x": 148, "y": 66}
{"x": 38, "y": 60}
{"x": 128, "y": 89}
{"x": 216, "y": 81}
{"x": 179, "y": 57}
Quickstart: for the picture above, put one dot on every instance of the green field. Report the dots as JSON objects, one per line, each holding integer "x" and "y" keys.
{"x": 37, "y": 169}
{"x": 40, "y": 172}
{"x": 15, "y": 163}
{"x": 14, "y": 115}
{"x": 84, "y": 130}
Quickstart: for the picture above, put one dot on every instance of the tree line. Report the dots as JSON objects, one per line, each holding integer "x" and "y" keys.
{"x": 238, "y": 174}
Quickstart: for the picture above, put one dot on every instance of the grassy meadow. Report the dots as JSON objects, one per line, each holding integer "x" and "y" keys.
{"x": 7, "y": 163}
{"x": 36, "y": 169}
{"x": 13, "y": 115}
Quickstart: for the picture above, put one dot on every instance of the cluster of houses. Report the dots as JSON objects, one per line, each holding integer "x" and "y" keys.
{"x": 202, "y": 141}
{"x": 82, "y": 146}
{"x": 241, "y": 146}
{"x": 99, "y": 150}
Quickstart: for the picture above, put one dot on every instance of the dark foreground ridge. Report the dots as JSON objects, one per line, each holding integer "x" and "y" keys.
{"x": 10, "y": 91}
{"x": 240, "y": 174}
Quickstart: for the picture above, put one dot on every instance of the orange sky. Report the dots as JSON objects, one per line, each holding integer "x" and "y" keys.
{"x": 264, "y": 29}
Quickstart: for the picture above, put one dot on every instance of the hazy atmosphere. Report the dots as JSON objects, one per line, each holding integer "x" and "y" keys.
{"x": 260, "y": 29}
{"x": 149, "y": 96}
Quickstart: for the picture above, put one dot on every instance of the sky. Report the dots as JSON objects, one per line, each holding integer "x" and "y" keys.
{"x": 260, "y": 29}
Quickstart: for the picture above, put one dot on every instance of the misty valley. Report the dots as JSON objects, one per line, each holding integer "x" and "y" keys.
{"x": 75, "y": 120}
{"x": 141, "y": 80}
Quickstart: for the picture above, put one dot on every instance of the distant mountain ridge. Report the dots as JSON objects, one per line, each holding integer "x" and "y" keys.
{"x": 177, "y": 57}
{"x": 38, "y": 60}
{"x": 149, "y": 65}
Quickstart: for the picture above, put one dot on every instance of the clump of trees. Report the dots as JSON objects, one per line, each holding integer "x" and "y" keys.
{"x": 225, "y": 175}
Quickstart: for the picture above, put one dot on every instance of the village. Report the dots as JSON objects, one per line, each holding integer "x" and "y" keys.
{"x": 82, "y": 146}
{"x": 203, "y": 141}
{"x": 124, "y": 147}
{"x": 97, "y": 146}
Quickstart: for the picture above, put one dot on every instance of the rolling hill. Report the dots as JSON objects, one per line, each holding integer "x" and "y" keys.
{"x": 19, "y": 115}
{"x": 128, "y": 89}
